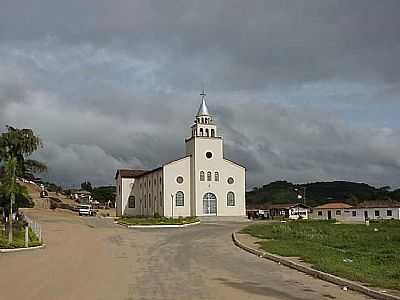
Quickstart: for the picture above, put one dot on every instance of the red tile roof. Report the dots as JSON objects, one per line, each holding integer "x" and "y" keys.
{"x": 378, "y": 204}
{"x": 334, "y": 205}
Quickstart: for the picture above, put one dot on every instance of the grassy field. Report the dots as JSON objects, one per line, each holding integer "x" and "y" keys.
{"x": 157, "y": 221}
{"x": 369, "y": 254}
{"x": 18, "y": 237}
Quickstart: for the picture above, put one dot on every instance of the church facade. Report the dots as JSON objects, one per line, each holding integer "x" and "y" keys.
{"x": 202, "y": 183}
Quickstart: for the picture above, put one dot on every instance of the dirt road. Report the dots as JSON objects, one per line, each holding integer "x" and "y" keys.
{"x": 92, "y": 258}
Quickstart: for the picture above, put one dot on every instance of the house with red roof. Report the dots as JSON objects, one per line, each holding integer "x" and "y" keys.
{"x": 367, "y": 210}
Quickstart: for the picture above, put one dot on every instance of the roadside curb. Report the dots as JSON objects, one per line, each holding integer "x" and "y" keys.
{"x": 315, "y": 273}
{"x": 22, "y": 249}
{"x": 158, "y": 226}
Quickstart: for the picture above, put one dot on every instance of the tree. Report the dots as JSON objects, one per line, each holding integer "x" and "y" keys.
{"x": 21, "y": 143}
{"x": 15, "y": 145}
{"x": 87, "y": 186}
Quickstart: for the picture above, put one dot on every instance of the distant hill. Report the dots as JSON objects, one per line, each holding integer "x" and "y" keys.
{"x": 319, "y": 192}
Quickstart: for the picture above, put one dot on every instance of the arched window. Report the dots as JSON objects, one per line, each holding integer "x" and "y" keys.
{"x": 201, "y": 131}
{"x": 206, "y": 131}
{"x": 230, "y": 199}
{"x": 201, "y": 175}
{"x": 212, "y": 132}
{"x": 209, "y": 176}
{"x": 131, "y": 202}
{"x": 216, "y": 176}
{"x": 179, "y": 199}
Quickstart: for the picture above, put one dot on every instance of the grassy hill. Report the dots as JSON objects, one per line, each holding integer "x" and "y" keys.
{"x": 319, "y": 192}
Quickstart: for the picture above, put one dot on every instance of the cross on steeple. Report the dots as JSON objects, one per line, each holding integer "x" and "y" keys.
{"x": 203, "y": 93}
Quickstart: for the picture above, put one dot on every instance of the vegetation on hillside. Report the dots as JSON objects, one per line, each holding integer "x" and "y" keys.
{"x": 370, "y": 254}
{"x": 319, "y": 192}
{"x": 104, "y": 193}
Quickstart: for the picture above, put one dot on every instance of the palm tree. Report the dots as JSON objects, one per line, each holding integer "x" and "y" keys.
{"x": 15, "y": 145}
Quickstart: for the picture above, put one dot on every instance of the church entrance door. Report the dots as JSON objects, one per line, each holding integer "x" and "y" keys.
{"x": 210, "y": 204}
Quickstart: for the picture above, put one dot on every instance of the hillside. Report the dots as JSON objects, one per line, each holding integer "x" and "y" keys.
{"x": 319, "y": 192}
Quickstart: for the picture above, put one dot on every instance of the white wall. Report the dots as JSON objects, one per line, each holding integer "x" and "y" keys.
{"x": 126, "y": 187}
{"x": 339, "y": 214}
{"x": 225, "y": 168}
{"x": 171, "y": 171}
{"x": 347, "y": 214}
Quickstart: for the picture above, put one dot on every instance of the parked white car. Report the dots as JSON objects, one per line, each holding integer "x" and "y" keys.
{"x": 86, "y": 210}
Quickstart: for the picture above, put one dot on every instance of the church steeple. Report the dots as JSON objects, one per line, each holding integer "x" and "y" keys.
{"x": 203, "y": 109}
{"x": 203, "y": 124}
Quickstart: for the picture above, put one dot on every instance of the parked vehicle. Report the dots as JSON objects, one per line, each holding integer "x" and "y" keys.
{"x": 86, "y": 210}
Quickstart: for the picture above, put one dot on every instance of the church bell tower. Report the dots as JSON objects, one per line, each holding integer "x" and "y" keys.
{"x": 204, "y": 124}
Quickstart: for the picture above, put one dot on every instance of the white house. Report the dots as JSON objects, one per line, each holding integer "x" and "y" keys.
{"x": 336, "y": 210}
{"x": 367, "y": 210}
{"x": 201, "y": 183}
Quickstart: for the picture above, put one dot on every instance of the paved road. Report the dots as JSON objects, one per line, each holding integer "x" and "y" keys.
{"x": 91, "y": 258}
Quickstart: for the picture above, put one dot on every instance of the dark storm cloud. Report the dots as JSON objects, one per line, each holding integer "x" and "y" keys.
{"x": 301, "y": 90}
{"x": 236, "y": 45}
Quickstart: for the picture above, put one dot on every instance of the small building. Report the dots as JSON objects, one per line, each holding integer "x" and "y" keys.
{"x": 81, "y": 196}
{"x": 256, "y": 211}
{"x": 336, "y": 210}
{"x": 376, "y": 210}
{"x": 292, "y": 211}
{"x": 367, "y": 210}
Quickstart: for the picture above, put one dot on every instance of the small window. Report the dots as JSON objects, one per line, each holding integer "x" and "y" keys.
{"x": 179, "y": 199}
{"x": 149, "y": 200}
{"x": 201, "y": 175}
{"x": 389, "y": 213}
{"x": 145, "y": 201}
{"x": 201, "y": 131}
{"x": 212, "y": 132}
{"x": 119, "y": 191}
{"x": 206, "y": 131}
{"x": 179, "y": 179}
{"x": 209, "y": 176}
{"x": 320, "y": 213}
{"x": 230, "y": 180}
{"x": 161, "y": 200}
{"x": 155, "y": 182}
{"x": 338, "y": 212}
{"x": 208, "y": 154}
{"x": 230, "y": 199}
{"x": 160, "y": 180}
{"x": 216, "y": 176}
{"x": 377, "y": 213}
{"x": 131, "y": 202}
{"x": 354, "y": 213}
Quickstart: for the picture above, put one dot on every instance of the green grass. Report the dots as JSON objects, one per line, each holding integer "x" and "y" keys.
{"x": 369, "y": 254}
{"x": 18, "y": 238}
{"x": 157, "y": 221}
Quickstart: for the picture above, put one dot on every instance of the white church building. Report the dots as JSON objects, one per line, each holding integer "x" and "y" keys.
{"x": 202, "y": 183}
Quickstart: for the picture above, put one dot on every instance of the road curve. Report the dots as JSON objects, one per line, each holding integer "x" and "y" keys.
{"x": 92, "y": 258}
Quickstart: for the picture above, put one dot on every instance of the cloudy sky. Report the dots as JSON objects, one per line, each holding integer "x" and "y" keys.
{"x": 301, "y": 90}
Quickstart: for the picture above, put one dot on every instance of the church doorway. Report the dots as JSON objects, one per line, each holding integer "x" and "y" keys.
{"x": 210, "y": 204}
